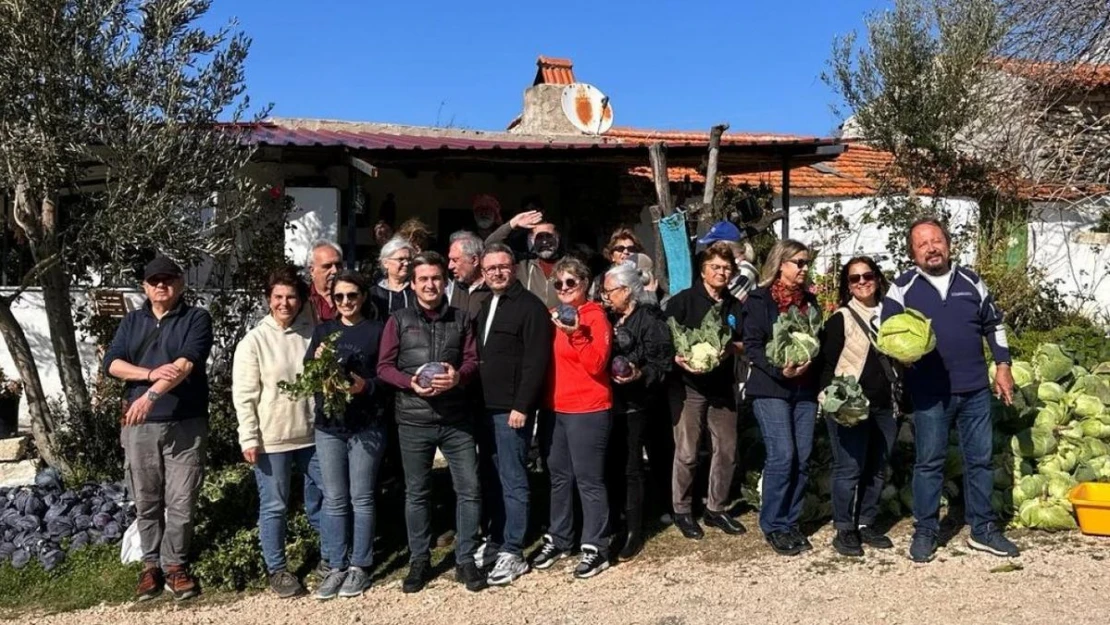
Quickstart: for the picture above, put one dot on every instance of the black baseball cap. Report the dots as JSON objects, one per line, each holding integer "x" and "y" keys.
{"x": 161, "y": 266}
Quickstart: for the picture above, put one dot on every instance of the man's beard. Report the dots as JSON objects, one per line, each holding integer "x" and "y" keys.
{"x": 484, "y": 222}
{"x": 547, "y": 253}
{"x": 938, "y": 270}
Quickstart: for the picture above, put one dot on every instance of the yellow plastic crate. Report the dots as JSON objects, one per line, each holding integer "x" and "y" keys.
{"x": 1091, "y": 501}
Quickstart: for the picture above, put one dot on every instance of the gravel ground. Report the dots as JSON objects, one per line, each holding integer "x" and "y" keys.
{"x": 1059, "y": 579}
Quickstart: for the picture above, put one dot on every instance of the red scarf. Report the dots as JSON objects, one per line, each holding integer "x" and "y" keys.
{"x": 787, "y": 296}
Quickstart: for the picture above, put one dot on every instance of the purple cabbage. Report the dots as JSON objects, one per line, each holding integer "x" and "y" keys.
{"x": 620, "y": 367}
{"x": 429, "y": 371}
{"x": 566, "y": 314}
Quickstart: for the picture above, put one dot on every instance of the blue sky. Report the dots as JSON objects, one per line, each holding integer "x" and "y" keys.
{"x": 665, "y": 64}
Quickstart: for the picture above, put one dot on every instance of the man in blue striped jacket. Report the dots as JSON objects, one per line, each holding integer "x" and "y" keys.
{"x": 951, "y": 384}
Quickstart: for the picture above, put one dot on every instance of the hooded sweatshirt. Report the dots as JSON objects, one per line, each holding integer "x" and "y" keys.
{"x": 267, "y": 417}
{"x": 579, "y": 374}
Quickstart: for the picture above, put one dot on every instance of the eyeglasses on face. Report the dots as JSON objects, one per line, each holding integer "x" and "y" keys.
{"x": 715, "y": 268}
{"x": 161, "y": 280}
{"x": 800, "y": 263}
{"x": 494, "y": 269}
{"x": 625, "y": 249}
{"x": 856, "y": 278}
{"x": 566, "y": 285}
{"x": 616, "y": 288}
{"x": 344, "y": 297}
{"x": 404, "y": 260}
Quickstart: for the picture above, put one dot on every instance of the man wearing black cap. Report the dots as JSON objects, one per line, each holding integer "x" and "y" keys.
{"x": 160, "y": 352}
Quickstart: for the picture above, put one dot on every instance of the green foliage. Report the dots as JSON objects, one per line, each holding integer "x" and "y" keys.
{"x": 324, "y": 375}
{"x": 1088, "y": 344}
{"x": 701, "y": 346}
{"x": 844, "y": 399}
{"x": 794, "y": 337}
{"x": 89, "y": 439}
{"x": 88, "y": 577}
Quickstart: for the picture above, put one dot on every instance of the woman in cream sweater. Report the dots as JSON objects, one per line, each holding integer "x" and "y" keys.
{"x": 275, "y": 431}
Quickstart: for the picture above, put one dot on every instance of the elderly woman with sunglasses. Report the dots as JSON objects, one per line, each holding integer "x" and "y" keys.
{"x": 394, "y": 291}
{"x": 784, "y": 399}
{"x": 860, "y": 452}
{"x": 581, "y": 398}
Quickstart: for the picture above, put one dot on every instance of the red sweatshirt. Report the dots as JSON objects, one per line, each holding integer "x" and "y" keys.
{"x": 578, "y": 381}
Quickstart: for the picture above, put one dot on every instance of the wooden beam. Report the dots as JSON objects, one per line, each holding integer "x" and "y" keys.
{"x": 711, "y": 170}
{"x": 657, "y": 152}
{"x": 786, "y": 196}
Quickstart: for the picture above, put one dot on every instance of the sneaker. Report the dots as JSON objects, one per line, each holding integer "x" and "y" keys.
{"x": 357, "y": 582}
{"x": 480, "y": 556}
{"x": 783, "y": 543}
{"x": 801, "y": 540}
{"x": 322, "y": 569}
{"x": 848, "y": 543}
{"x": 285, "y": 584}
{"x": 332, "y": 582}
{"x": 875, "y": 539}
{"x": 688, "y": 526}
{"x": 591, "y": 564}
{"x": 923, "y": 548}
{"x": 180, "y": 583}
{"x": 632, "y": 548}
{"x": 470, "y": 575}
{"x": 508, "y": 567}
{"x": 151, "y": 583}
{"x": 724, "y": 522}
{"x": 548, "y": 554}
{"x": 994, "y": 542}
{"x": 417, "y": 577}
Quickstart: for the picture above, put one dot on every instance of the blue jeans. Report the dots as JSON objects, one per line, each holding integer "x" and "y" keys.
{"x": 503, "y": 455}
{"x": 349, "y": 467}
{"x": 787, "y": 428}
{"x": 932, "y": 420}
{"x": 418, "y": 451}
{"x": 861, "y": 454}
{"x": 273, "y": 473}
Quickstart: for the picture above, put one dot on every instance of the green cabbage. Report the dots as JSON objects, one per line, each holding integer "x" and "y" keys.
{"x": 1059, "y": 485}
{"x": 1091, "y": 385}
{"x": 843, "y": 398}
{"x": 1033, "y": 443}
{"x": 1050, "y": 392}
{"x": 1046, "y": 514}
{"x": 1029, "y": 487}
{"x": 1088, "y": 406}
{"x": 794, "y": 337}
{"x": 1102, "y": 369}
{"x": 1093, "y": 428}
{"x": 1061, "y": 463}
{"x": 1092, "y": 448}
{"x": 907, "y": 336}
{"x": 1051, "y": 363}
{"x": 701, "y": 346}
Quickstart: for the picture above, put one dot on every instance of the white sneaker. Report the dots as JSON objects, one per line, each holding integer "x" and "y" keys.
{"x": 508, "y": 568}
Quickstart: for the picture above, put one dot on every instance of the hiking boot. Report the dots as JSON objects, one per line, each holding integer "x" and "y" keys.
{"x": 508, "y": 568}
{"x": 632, "y": 548}
{"x": 285, "y": 584}
{"x": 417, "y": 577}
{"x": 591, "y": 564}
{"x": 688, "y": 526}
{"x": 151, "y": 583}
{"x": 332, "y": 582}
{"x": 469, "y": 574}
{"x": 548, "y": 554}
{"x": 723, "y": 522}
{"x": 783, "y": 543}
{"x": 847, "y": 543}
{"x": 180, "y": 583}
{"x": 801, "y": 540}
{"x": 356, "y": 583}
{"x": 994, "y": 543}
{"x": 875, "y": 539}
{"x": 923, "y": 547}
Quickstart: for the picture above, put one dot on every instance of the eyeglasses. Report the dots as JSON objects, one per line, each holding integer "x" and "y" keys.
{"x": 719, "y": 268}
{"x": 861, "y": 277}
{"x": 345, "y": 297}
{"x": 626, "y": 249}
{"x": 800, "y": 263}
{"x": 407, "y": 260}
{"x": 498, "y": 269}
{"x": 567, "y": 285}
{"x": 616, "y": 288}
{"x": 161, "y": 280}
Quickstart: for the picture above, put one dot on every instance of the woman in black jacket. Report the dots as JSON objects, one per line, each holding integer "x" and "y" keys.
{"x": 641, "y": 339}
{"x": 860, "y": 452}
{"x": 784, "y": 399}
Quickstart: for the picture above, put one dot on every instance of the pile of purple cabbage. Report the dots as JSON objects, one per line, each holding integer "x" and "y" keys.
{"x": 46, "y": 520}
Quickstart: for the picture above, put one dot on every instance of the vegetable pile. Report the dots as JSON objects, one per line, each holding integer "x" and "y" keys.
{"x": 843, "y": 398}
{"x": 702, "y": 346}
{"x": 794, "y": 337}
{"x": 906, "y": 337}
{"x": 325, "y": 375}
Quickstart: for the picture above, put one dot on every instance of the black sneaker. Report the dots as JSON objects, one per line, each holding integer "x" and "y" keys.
{"x": 688, "y": 526}
{"x": 632, "y": 548}
{"x": 994, "y": 543}
{"x": 923, "y": 548}
{"x": 591, "y": 564}
{"x": 470, "y": 575}
{"x": 548, "y": 554}
{"x": 285, "y": 584}
{"x": 417, "y": 577}
{"x": 801, "y": 540}
{"x": 783, "y": 543}
{"x": 724, "y": 522}
{"x": 873, "y": 538}
{"x": 847, "y": 543}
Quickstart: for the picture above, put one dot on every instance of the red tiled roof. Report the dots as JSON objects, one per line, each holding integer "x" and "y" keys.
{"x": 553, "y": 71}
{"x": 696, "y": 137}
{"x": 1090, "y": 75}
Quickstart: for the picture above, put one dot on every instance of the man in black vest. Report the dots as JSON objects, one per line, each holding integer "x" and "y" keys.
{"x": 433, "y": 411}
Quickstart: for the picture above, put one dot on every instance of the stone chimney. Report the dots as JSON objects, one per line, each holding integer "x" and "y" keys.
{"x": 543, "y": 106}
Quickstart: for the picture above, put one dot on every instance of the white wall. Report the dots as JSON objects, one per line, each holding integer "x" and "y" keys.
{"x": 314, "y": 217}
{"x": 1077, "y": 260}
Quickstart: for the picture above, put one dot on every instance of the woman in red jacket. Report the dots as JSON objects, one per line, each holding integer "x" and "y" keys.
{"x": 579, "y": 394}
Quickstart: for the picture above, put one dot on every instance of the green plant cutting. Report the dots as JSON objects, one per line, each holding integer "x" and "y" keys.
{"x": 703, "y": 346}
{"x": 324, "y": 375}
{"x": 843, "y": 398}
{"x": 906, "y": 337}
{"x": 794, "y": 337}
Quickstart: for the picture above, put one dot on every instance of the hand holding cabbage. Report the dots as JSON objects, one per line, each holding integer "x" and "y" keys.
{"x": 844, "y": 400}
{"x": 907, "y": 337}
{"x": 700, "y": 349}
{"x": 794, "y": 338}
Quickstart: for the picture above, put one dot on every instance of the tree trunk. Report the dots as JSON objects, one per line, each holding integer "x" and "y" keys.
{"x": 42, "y": 422}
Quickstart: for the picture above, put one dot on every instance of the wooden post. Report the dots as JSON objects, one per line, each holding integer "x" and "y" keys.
{"x": 786, "y": 196}
{"x": 662, "y": 207}
{"x": 711, "y": 170}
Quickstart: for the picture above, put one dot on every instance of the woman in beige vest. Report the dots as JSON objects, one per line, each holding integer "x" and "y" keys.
{"x": 860, "y": 452}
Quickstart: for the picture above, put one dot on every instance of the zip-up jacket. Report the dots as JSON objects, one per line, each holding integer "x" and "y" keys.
{"x": 645, "y": 340}
{"x": 764, "y": 378}
{"x": 962, "y": 317}
{"x": 578, "y": 378}
{"x": 387, "y": 301}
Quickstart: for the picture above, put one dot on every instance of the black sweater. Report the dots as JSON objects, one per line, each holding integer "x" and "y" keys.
{"x": 357, "y": 350}
{"x": 514, "y": 356}
{"x": 688, "y": 308}
{"x": 645, "y": 340}
{"x": 873, "y": 379}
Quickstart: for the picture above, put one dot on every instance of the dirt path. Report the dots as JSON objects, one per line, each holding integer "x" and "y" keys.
{"x": 1059, "y": 579}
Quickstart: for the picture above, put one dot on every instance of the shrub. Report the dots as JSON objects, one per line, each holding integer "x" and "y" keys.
{"x": 1087, "y": 343}
{"x": 89, "y": 439}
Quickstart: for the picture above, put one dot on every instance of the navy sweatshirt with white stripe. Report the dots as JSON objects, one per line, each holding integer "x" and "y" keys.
{"x": 962, "y": 317}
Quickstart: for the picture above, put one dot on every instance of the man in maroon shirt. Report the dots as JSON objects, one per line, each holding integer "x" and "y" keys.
{"x": 324, "y": 261}
{"x": 429, "y": 354}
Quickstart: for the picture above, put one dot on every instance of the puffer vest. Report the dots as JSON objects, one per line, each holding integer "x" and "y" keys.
{"x": 857, "y": 346}
{"x": 422, "y": 340}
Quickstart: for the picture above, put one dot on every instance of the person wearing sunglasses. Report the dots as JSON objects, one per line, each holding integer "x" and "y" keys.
{"x": 394, "y": 291}
{"x": 580, "y": 396}
{"x": 861, "y": 452}
{"x": 784, "y": 400}
{"x": 623, "y": 245}
{"x": 349, "y": 447}
{"x": 705, "y": 400}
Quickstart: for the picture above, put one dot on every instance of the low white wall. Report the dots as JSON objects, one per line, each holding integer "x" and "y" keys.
{"x": 1074, "y": 258}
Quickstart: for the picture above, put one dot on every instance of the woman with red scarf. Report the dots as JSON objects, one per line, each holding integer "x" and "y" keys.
{"x": 784, "y": 399}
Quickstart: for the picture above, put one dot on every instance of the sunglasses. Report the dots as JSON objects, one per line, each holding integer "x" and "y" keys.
{"x": 345, "y": 297}
{"x": 161, "y": 280}
{"x": 800, "y": 263}
{"x": 861, "y": 277}
{"x": 626, "y": 249}
{"x": 568, "y": 284}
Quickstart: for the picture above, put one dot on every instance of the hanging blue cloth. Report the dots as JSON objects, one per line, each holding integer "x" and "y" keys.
{"x": 672, "y": 229}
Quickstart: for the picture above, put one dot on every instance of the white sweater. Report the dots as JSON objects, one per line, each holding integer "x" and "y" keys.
{"x": 268, "y": 418}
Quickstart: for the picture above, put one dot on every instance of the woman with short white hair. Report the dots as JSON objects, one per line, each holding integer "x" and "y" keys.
{"x": 394, "y": 291}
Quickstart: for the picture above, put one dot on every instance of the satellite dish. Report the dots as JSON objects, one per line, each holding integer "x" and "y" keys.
{"x": 587, "y": 108}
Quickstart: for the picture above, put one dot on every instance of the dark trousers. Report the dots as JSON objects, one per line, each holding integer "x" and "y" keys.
{"x": 660, "y": 442}
{"x": 860, "y": 456}
{"x": 625, "y": 470}
{"x": 418, "y": 449}
{"x": 503, "y": 463}
{"x": 697, "y": 413}
{"x": 578, "y": 458}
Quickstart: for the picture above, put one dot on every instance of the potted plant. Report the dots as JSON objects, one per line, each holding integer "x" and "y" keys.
{"x": 11, "y": 390}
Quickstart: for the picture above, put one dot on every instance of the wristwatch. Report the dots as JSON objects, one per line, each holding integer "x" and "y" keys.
{"x": 153, "y": 395}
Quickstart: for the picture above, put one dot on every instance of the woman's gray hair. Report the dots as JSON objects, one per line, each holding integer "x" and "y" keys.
{"x": 394, "y": 245}
{"x": 626, "y": 274}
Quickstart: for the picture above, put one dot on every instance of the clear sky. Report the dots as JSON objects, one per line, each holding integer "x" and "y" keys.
{"x": 665, "y": 64}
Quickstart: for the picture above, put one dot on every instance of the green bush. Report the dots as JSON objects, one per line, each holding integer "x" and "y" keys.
{"x": 1087, "y": 343}
{"x": 89, "y": 439}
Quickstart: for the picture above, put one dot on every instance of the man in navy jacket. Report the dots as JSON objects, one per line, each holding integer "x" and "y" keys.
{"x": 951, "y": 384}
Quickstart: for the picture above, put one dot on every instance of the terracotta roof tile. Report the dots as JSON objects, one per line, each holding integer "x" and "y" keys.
{"x": 1090, "y": 75}
{"x": 553, "y": 71}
